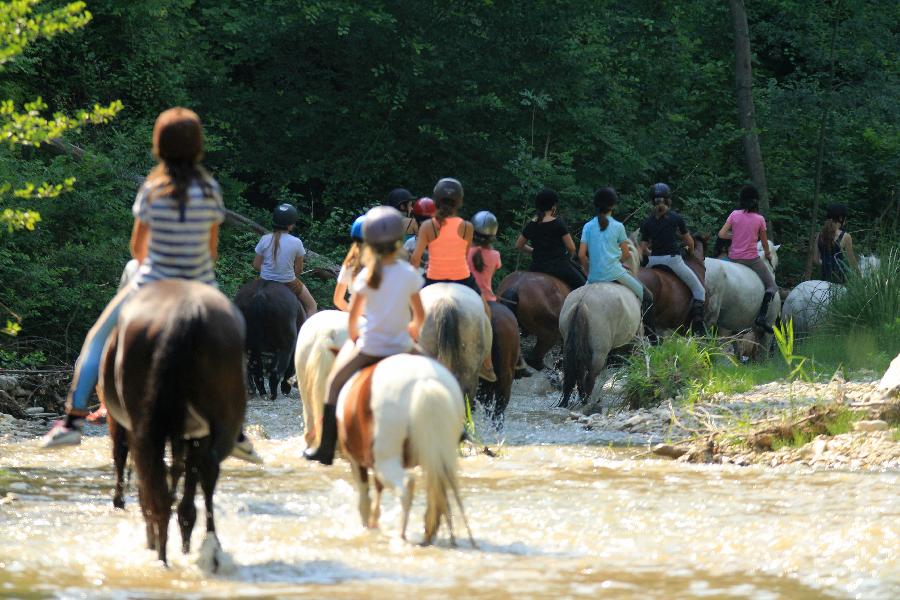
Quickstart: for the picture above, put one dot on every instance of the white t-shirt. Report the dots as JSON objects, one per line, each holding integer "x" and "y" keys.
{"x": 281, "y": 267}
{"x": 387, "y": 310}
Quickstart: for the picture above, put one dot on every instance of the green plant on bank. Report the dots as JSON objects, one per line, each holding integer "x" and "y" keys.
{"x": 834, "y": 423}
{"x": 655, "y": 373}
{"x": 784, "y": 339}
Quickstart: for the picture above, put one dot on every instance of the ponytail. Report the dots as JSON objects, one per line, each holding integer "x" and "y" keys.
{"x": 173, "y": 179}
{"x": 446, "y": 207}
{"x": 604, "y": 221}
{"x": 373, "y": 256}
{"x": 276, "y": 243}
{"x": 352, "y": 262}
{"x": 827, "y": 234}
{"x": 478, "y": 260}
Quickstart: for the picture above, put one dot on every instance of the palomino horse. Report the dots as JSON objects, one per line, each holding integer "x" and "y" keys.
{"x": 735, "y": 294}
{"x": 505, "y": 355}
{"x": 456, "y": 331}
{"x": 172, "y": 371}
{"x": 672, "y": 298}
{"x": 807, "y": 304}
{"x": 536, "y": 299}
{"x": 401, "y": 412}
{"x": 273, "y": 315}
{"x": 321, "y": 336}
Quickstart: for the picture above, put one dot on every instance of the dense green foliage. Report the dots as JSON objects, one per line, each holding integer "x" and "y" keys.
{"x": 329, "y": 104}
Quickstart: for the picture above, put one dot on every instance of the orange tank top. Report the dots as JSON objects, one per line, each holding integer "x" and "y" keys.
{"x": 447, "y": 252}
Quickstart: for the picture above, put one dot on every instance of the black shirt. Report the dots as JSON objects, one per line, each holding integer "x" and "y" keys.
{"x": 546, "y": 239}
{"x": 661, "y": 233}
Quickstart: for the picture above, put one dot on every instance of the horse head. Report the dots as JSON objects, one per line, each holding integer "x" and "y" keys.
{"x": 773, "y": 250}
{"x": 633, "y": 264}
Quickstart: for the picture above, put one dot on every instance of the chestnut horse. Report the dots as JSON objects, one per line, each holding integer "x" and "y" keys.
{"x": 505, "y": 355}
{"x": 401, "y": 412}
{"x": 273, "y": 315}
{"x": 172, "y": 372}
{"x": 672, "y": 298}
{"x": 536, "y": 299}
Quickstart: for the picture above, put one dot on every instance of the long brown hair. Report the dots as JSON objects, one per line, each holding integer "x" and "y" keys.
{"x": 276, "y": 242}
{"x": 372, "y": 259}
{"x": 446, "y": 207}
{"x": 353, "y": 261}
{"x": 482, "y": 243}
{"x": 178, "y": 146}
{"x": 828, "y": 232}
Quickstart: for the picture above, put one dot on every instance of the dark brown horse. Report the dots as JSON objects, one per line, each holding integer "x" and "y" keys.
{"x": 505, "y": 354}
{"x": 536, "y": 300}
{"x": 172, "y": 372}
{"x": 273, "y": 316}
{"x": 672, "y": 298}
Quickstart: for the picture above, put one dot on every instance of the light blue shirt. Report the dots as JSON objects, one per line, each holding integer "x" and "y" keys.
{"x": 604, "y": 253}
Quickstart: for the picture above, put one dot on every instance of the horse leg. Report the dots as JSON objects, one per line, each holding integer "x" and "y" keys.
{"x": 406, "y": 503}
{"x": 288, "y": 373}
{"x": 255, "y": 365}
{"x": 375, "y": 513}
{"x": 177, "y": 468}
{"x": 278, "y": 375}
{"x": 543, "y": 342}
{"x": 361, "y": 478}
{"x": 209, "y": 475}
{"x": 120, "y": 458}
{"x": 187, "y": 511}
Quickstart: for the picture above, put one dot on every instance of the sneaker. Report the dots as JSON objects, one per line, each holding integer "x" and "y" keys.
{"x": 61, "y": 435}
{"x": 487, "y": 374}
{"x": 98, "y": 417}
{"x": 243, "y": 450}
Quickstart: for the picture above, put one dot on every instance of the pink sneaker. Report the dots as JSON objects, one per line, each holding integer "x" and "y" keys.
{"x": 98, "y": 417}
{"x": 61, "y": 435}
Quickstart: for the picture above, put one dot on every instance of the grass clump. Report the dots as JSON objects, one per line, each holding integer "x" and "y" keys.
{"x": 831, "y": 421}
{"x": 656, "y": 373}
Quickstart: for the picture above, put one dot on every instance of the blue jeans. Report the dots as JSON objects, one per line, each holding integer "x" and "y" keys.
{"x": 87, "y": 367}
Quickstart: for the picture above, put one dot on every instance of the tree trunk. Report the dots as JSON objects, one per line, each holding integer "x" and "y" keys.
{"x": 820, "y": 153}
{"x": 746, "y": 114}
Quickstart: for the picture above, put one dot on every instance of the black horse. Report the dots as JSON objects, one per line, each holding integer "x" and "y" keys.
{"x": 273, "y": 316}
{"x": 172, "y": 373}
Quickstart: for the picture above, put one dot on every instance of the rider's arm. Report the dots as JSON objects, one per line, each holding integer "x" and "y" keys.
{"x": 569, "y": 243}
{"x": 426, "y": 236}
{"x": 688, "y": 241}
{"x": 583, "y": 256}
{"x": 257, "y": 263}
{"x": 522, "y": 245}
{"x": 214, "y": 241}
{"x": 626, "y": 251}
{"x": 847, "y": 243}
{"x": 339, "y": 298}
{"x": 418, "y": 316}
{"x": 298, "y": 266}
{"x": 140, "y": 237}
{"x": 357, "y": 302}
{"x": 725, "y": 232}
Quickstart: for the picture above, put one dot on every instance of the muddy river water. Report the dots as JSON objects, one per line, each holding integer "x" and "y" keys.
{"x": 559, "y": 513}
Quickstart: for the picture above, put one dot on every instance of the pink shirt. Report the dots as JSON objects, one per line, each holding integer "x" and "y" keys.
{"x": 745, "y": 230}
{"x": 483, "y": 279}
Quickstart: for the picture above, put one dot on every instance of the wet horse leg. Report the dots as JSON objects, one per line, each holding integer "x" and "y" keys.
{"x": 276, "y": 372}
{"x": 288, "y": 373}
{"x": 375, "y": 513}
{"x": 187, "y": 511}
{"x": 361, "y": 478}
{"x": 406, "y": 502}
{"x": 209, "y": 475}
{"x": 120, "y": 459}
{"x": 177, "y": 468}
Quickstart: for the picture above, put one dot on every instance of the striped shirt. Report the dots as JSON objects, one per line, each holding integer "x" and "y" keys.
{"x": 179, "y": 249}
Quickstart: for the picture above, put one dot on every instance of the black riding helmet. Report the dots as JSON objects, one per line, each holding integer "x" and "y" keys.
{"x": 836, "y": 211}
{"x": 284, "y": 216}
{"x": 398, "y": 197}
{"x": 659, "y": 190}
{"x": 546, "y": 199}
{"x": 447, "y": 189}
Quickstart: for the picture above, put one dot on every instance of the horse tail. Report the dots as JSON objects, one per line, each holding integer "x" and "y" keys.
{"x": 435, "y": 426}
{"x": 577, "y": 353}
{"x": 318, "y": 365}
{"x": 171, "y": 383}
{"x": 447, "y": 323}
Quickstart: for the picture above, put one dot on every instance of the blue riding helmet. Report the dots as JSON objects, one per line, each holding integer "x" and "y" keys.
{"x": 356, "y": 230}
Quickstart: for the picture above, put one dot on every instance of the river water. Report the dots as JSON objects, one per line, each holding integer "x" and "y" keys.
{"x": 559, "y": 513}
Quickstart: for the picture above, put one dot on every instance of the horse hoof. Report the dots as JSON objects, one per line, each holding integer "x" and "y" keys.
{"x": 119, "y": 503}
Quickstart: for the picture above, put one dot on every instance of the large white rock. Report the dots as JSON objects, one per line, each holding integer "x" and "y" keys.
{"x": 890, "y": 383}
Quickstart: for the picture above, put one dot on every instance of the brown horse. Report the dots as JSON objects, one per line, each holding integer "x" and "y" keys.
{"x": 536, "y": 299}
{"x": 273, "y": 315}
{"x": 172, "y": 371}
{"x": 505, "y": 354}
{"x": 671, "y": 297}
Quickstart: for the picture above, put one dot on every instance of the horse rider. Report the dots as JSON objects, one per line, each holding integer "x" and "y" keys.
{"x": 423, "y": 210}
{"x": 546, "y": 238}
{"x": 663, "y": 233}
{"x": 834, "y": 246}
{"x": 447, "y": 238}
{"x": 351, "y": 266}
{"x": 280, "y": 255}
{"x": 603, "y": 248}
{"x": 745, "y": 227}
{"x": 384, "y": 292}
{"x": 402, "y": 199}
{"x": 177, "y": 214}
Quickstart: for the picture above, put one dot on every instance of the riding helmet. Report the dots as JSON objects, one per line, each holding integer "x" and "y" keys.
{"x": 605, "y": 198}
{"x": 485, "y": 223}
{"x": 284, "y": 216}
{"x": 356, "y": 230}
{"x": 659, "y": 190}
{"x": 424, "y": 207}
{"x": 836, "y": 211}
{"x": 448, "y": 189}
{"x": 398, "y": 197}
{"x": 546, "y": 199}
{"x": 383, "y": 226}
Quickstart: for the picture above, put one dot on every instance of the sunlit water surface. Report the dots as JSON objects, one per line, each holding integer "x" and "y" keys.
{"x": 558, "y": 514}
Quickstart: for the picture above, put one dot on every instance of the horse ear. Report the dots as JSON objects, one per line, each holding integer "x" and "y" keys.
{"x": 777, "y": 246}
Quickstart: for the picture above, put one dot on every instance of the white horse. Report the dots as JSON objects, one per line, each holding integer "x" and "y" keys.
{"x": 456, "y": 331}
{"x": 404, "y": 411}
{"x": 807, "y": 304}
{"x": 318, "y": 342}
{"x": 735, "y": 293}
